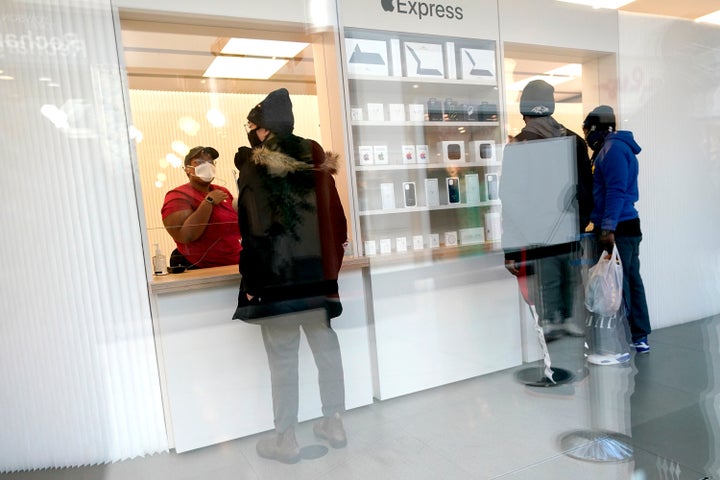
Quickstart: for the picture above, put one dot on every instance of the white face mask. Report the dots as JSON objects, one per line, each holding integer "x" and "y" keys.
{"x": 205, "y": 171}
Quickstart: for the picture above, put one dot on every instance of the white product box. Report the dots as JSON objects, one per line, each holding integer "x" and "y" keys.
{"x": 453, "y": 189}
{"x": 367, "y": 57}
{"x": 356, "y": 114}
{"x": 424, "y": 60}
{"x": 408, "y": 153}
{"x": 493, "y": 226}
{"x": 472, "y": 188}
{"x": 471, "y": 236}
{"x": 385, "y": 246}
{"x": 365, "y": 155}
{"x": 483, "y": 152}
{"x": 418, "y": 242}
{"x": 401, "y": 244}
{"x": 451, "y": 239}
{"x": 491, "y": 186}
{"x": 432, "y": 192}
{"x": 387, "y": 195}
{"x": 396, "y": 62}
{"x": 452, "y": 151}
{"x": 397, "y": 112}
{"x": 380, "y": 154}
{"x": 433, "y": 240}
{"x": 451, "y": 64}
{"x": 477, "y": 64}
{"x": 376, "y": 112}
{"x": 422, "y": 153}
{"x": 409, "y": 194}
{"x": 416, "y": 112}
{"x": 370, "y": 247}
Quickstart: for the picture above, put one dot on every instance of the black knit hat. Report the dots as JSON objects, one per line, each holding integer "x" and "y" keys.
{"x": 274, "y": 113}
{"x": 602, "y": 117}
{"x": 537, "y": 99}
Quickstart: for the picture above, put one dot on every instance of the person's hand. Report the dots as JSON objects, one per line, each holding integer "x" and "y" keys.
{"x": 512, "y": 267}
{"x": 607, "y": 240}
{"x": 217, "y": 196}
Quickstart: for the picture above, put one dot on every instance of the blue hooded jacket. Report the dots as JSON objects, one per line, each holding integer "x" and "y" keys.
{"x": 615, "y": 181}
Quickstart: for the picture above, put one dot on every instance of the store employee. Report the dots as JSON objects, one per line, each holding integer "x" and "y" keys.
{"x": 199, "y": 215}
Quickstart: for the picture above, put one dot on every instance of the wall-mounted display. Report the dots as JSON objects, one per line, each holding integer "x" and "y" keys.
{"x": 432, "y": 125}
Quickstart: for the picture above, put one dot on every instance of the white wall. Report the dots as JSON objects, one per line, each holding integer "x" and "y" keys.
{"x": 669, "y": 95}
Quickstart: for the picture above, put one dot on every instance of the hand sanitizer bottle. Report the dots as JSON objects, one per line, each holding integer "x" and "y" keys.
{"x": 158, "y": 261}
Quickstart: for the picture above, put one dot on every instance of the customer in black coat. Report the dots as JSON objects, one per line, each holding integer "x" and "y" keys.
{"x": 292, "y": 252}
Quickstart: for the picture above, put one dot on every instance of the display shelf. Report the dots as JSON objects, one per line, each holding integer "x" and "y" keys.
{"x": 425, "y": 131}
{"x": 457, "y": 206}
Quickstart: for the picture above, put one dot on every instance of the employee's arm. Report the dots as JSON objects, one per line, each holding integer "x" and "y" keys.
{"x": 186, "y": 226}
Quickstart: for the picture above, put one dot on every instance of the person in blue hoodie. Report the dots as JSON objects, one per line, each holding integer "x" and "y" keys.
{"x": 615, "y": 218}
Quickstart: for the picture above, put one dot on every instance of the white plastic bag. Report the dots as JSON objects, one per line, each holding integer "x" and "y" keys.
{"x": 603, "y": 292}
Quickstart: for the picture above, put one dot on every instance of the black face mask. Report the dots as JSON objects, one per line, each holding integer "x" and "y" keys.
{"x": 253, "y": 138}
{"x": 596, "y": 138}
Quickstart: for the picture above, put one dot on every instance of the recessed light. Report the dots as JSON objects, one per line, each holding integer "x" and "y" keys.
{"x": 244, "y": 67}
{"x": 262, "y": 48}
{"x": 612, "y": 4}
{"x": 713, "y": 18}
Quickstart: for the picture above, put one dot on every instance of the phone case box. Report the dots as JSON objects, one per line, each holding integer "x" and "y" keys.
{"x": 387, "y": 195}
{"x": 433, "y": 240}
{"x": 409, "y": 194}
{"x": 491, "y": 186}
{"x": 366, "y": 156}
{"x": 418, "y": 242}
{"x": 356, "y": 114}
{"x": 452, "y": 151}
{"x": 370, "y": 247}
{"x": 483, "y": 152}
{"x": 472, "y": 188}
{"x": 453, "y": 190}
{"x": 432, "y": 192}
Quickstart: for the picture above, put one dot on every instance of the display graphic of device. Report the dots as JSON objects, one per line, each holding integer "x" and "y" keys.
{"x": 480, "y": 72}
{"x": 453, "y": 189}
{"x": 419, "y": 70}
{"x": 370, "y": 58}
{"x": 491, "y": 186}
{"x": 409, "y": 194}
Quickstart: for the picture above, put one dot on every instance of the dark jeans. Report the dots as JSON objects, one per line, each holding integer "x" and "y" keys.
{"x": 281, "y": 336}
{"x": 633, "y": 288}
{"x": 553, "y": 287}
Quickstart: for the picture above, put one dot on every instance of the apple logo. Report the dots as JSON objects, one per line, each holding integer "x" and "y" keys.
{"x": 387, "y": 5}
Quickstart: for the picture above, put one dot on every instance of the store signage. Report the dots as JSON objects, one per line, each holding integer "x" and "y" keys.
{"x": 19, "y": 35}
{"x": 422, "y": 9}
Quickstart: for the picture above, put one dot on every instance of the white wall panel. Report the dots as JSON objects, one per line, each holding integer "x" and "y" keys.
{"x": 669, "y": 95}
{"x": 77, "y": 358}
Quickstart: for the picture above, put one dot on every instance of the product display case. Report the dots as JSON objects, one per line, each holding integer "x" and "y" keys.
{"x": 426, "y": 141}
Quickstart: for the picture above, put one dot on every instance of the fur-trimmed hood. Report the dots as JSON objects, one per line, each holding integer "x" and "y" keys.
{"x": 279, "y": 164}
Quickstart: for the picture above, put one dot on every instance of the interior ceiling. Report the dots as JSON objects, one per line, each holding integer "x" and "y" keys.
{"x": 170, "y": 56}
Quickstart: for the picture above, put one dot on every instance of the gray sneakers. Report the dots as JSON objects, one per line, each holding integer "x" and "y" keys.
{"x": 282, "y": 447}
{"x": 331, "y": 429}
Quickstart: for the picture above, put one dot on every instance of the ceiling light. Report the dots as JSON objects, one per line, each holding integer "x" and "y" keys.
{"x": 244, "y": 67}
{"x": 713, "y": 18}
{"x": 262, "y": 48}
{"x": 613, "y": 4}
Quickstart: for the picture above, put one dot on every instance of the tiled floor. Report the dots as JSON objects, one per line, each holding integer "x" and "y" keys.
{"x": 667, "y": 403}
